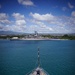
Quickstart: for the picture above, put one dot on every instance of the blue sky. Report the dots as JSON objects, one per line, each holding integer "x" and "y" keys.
{"x": 43, "y": 16}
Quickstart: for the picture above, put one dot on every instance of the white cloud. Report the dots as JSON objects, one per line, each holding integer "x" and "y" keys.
{"x": 49, "y": 18}
{"x": 15, "y": 28}
{"x": 45, "y": 17}
{"x": 70, "y": 5}
{"x": 18, "y": 25}
{"x": 1, "y": 26}
{"x": 42, "y": 25}
{"x": 4, "y": 21}
{"x": 54, "y": 23}
{"x": 20, "y": 22}
{"x": 37, "y": 28}
{"x": 73, "y": 13}
{"x": 4, "y": 18}
{"x": 20, "y": 19}
{"x": 18, "y": 16}
{"x": 26, "y": 2}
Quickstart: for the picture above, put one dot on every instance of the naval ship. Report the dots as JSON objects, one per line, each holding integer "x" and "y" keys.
{"x": 39, "y": 70}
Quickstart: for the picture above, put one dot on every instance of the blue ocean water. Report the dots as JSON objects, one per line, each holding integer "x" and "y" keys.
{"x": 19, "y": 57}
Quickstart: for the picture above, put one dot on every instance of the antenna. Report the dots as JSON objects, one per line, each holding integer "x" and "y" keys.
{"x": 38, "y": 57}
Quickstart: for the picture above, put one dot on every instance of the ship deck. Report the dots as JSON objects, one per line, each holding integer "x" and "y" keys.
{"x": 41, "y": 72}
{"x": 38, "y": 70}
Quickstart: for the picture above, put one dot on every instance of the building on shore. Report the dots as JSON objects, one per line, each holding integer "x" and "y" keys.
{"x": 14, "y": 37}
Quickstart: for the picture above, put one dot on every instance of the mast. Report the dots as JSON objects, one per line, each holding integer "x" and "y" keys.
{"x": 38, "y": 57}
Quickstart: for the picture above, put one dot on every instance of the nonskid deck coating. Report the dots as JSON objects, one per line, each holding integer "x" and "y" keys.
{"x": 42, "y": 72}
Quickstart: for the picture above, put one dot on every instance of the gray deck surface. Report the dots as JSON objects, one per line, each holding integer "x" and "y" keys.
{"x": 42, "y": 72}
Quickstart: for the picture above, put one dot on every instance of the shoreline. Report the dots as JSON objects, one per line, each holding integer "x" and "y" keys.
{"x": 33, "y": 39}
{"x": 38, "y": 39}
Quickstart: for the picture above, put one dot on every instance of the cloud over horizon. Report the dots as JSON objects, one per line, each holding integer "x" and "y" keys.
{"x": 63, "y": 23}
{"x": 17, "y": 26}
{"x": 47, "y": 17}
{"x": 40, "y": 22}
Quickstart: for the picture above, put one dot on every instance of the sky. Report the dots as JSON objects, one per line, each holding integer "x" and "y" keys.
{"x": 43, "y": 16}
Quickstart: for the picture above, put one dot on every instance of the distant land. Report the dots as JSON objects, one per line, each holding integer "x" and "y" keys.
{"x": 8, "y": 32}
{"x": 36, "y": 36}
{"x": 17, "y": 33}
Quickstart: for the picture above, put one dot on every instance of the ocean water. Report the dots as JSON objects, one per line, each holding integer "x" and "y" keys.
{"x": 20, "y": 57}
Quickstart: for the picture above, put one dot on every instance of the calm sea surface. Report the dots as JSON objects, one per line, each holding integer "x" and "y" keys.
{"x": 20, "y": 57}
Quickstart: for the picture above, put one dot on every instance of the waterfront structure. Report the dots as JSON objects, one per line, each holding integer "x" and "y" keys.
{"x": 14, "y": 37}
{"x": 38, "y": 70}
{"x": 36, "y": 34}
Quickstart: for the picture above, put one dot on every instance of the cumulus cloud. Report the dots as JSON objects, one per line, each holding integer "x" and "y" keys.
{"x": 45, "y": 17}
{"x": 42, "y": 25}
{"x": 4, "y": 18}
{"x": 54, "y": 23}
{"x": 18, "y": 25}
{"x": 37, "y": 28}
{"x": 20, "y": 22}
{"x": 1, "y": 27}
{"x": 18, "y": 16}
{"x": 49, "y": 18}
{"x": 15, "y": 28}
{"x": 4, "y": 21}
{"x": 70, "y": 5}
{"x": 20, "y": 19}
{"x": 26, "y": 2}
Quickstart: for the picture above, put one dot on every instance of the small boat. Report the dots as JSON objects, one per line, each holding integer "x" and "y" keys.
{"x": 38, "y": 70}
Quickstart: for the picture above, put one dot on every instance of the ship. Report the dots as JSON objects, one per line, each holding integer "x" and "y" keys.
{"x": 38, "y": 70}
